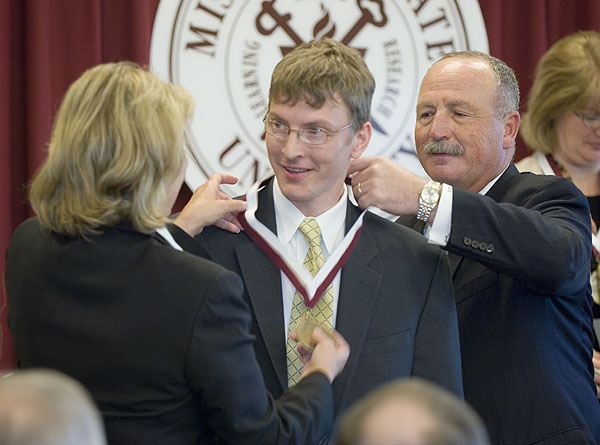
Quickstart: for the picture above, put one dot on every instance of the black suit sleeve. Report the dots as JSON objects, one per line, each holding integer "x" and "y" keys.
{"x": 540, "y": 234}
{"x": 222, "y": 368}
{"x": 187, "y": 243}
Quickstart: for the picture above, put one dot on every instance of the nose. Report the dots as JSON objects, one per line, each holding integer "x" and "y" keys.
{"x": 292, "y": 146}
{"x": 441, "y": 126}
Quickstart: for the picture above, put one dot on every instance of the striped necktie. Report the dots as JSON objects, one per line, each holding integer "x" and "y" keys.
{"x": 322, "y": 310}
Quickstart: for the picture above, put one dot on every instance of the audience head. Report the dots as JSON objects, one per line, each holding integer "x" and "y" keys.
{"x": 116, "y": 152}
{"x": 565, "y": 96}
{"x": 44, "y": 407}
{"x": 411, "y": 412}
{"x": 467, "y": 119}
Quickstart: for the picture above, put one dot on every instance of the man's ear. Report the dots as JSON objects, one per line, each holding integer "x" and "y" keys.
{"x": 511, "y": 124}
{"x": 361, "y": 140}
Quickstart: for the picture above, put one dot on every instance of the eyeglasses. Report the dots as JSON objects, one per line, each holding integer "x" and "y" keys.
{"x": 592, "y": 121}
{"x": 310, "y": 136}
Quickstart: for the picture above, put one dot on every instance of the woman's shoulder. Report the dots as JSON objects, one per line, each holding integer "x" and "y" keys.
{"x": 29, "y": 231}
{"x": 529, "y": 164}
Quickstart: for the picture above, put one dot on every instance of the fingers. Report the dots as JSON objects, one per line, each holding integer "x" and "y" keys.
{"x": 340, "y": 341}
{"x": 318, "y": 335}
{"x": 228, "y": 225}
{"x": 329, "y": 355}
{"x": 223, "y": 178}
{"x": 356, "y": 165}
{"x": 359, "y": 190}
{"x": 305, "y": 354}
{"x": 232, "y": 205}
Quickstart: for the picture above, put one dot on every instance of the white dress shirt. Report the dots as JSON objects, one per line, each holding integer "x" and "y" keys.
{"x": 439, "y": 232}
{"x": 288, "y": 218}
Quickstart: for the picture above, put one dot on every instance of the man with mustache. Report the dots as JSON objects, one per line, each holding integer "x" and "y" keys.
{"x": 519, "y": 249}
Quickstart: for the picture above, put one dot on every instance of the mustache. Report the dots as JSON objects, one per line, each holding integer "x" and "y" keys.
{"x": 442, "y": 148}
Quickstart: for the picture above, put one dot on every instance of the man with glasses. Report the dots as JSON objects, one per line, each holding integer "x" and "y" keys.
{"x": 380, "y": 285}
{"x": 519, "y": 245}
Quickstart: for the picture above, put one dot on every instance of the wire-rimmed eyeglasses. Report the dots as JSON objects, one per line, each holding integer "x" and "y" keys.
{"x": 592, "y": 121}
{"x": 310, "y": 135}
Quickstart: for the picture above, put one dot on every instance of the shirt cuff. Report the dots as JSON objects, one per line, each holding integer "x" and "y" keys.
{"x": 439, "y": 232}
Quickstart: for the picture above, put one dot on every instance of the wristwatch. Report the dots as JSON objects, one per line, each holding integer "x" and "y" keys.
{"x": 428, "y": 199}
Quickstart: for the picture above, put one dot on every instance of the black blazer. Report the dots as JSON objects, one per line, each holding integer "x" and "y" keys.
{"x": 396, "y": 306}
{"x": 521, "y": 278}
{"x": 159, "y": 337}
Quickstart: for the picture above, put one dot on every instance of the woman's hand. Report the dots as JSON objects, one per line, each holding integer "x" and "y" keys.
{"x": 209, "y": 205}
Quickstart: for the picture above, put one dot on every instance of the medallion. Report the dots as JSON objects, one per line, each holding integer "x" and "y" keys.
{"x": 305, "y": 327}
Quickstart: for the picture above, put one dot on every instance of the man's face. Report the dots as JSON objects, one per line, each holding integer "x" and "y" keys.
{"x": 578, "y": 145}
{"x": 459, "y": 137}
{"x": 312, "y": 176}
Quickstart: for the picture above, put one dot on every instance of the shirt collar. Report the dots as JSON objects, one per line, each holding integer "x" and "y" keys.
{"x": 288, "y": 218}
{"x": 490, "y": 184}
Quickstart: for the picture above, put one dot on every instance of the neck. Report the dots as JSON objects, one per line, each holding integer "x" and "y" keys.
{"x": 585, "y": 177}
{"x": 313, "y": 209}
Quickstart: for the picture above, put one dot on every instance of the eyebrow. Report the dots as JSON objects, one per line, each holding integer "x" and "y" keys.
{"x": 451, "y": 104}
{"x": 320, "y": 124}
{"x": 460, "y": 103}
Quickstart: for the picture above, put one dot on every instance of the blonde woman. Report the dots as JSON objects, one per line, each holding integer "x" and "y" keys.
{"x": 99, "y": 290}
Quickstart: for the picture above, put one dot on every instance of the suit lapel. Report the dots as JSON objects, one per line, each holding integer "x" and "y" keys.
{"x": 500, "y": 188}
{"x": 358, "y": 291}
{"x": 263, "y": 283}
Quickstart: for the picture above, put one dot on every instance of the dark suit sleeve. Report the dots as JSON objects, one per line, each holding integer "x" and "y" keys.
{"x": 540, "y": 234}
{"x": 186, "y": 242}
{"x": 437, "y": 350}
{"x": 222, "y": 368}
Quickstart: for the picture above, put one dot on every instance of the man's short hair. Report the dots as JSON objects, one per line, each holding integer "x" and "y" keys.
{"x": 506, "y": 81}
{"x": 47, "y": 407}
{"x": 317, "y": 71}
{"x": 453, "y": 421}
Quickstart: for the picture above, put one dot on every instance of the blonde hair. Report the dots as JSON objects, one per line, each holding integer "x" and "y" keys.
{"x": 117, "y": 142}
{"x": 316, "y": 70}
{"x": 567, "y": 78}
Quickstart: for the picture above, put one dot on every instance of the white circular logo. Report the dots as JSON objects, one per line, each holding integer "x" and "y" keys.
{"x": 223, "y": 52}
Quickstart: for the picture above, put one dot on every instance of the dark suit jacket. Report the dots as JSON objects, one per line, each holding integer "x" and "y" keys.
{"x": 159, "y": 337}
{"x": 395, "y": 309}
{"x": 521, "y": 282}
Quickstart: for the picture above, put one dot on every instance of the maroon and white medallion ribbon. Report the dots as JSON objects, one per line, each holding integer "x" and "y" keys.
{"x": 311, "y": 288}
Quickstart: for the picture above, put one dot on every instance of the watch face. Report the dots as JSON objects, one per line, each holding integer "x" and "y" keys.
{"x": 430, "y": 195}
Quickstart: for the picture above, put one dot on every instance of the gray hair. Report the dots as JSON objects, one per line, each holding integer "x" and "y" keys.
{"x": 47, "y": 407}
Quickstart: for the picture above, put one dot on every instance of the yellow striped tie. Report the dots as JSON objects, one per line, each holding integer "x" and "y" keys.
{"x": 322, "y": 311}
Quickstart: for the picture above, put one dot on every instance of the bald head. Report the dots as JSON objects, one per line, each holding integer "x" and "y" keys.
{"x": 46, "y": 407}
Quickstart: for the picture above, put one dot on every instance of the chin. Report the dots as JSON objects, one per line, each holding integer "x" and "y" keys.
{"x": 293, "y": 192}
